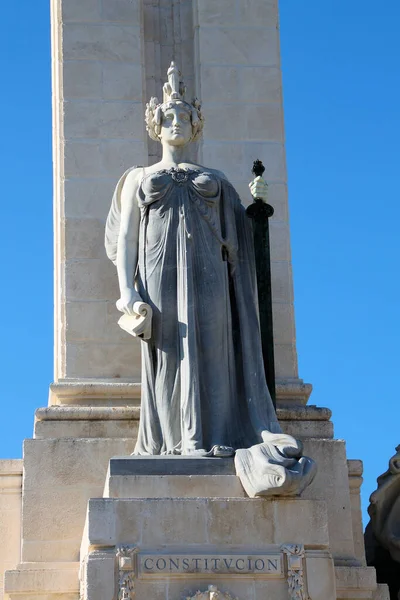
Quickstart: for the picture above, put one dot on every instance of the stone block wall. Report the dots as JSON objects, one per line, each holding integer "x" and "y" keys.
{"x": 98, "y": 80}
{"x": 239, "y": 80}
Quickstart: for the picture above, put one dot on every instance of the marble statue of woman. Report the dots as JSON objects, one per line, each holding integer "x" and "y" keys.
{"x": 183, "y": 248}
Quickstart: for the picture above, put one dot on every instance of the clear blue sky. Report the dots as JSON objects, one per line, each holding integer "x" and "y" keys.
{"x": 340, "y": 62}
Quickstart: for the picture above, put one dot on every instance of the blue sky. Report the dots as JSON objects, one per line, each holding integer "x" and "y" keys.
{"x": 340, "y": 61}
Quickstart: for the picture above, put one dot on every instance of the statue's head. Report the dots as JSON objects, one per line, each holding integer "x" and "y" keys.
{"x": 174, "y": 121}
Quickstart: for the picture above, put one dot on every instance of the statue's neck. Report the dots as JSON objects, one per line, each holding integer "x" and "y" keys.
{"x": 175, "y": 155}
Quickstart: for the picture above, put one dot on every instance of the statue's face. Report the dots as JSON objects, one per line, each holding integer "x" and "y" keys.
{"x": 176, "y": 126}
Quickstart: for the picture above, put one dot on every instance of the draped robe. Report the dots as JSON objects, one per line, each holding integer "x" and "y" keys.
{"x": 203, "y": 381}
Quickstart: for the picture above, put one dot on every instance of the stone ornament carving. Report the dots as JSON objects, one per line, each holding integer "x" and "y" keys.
{"x": 212, "y": 593}
{"x": 126, "y": 572}
{"x": 295, "y": 571}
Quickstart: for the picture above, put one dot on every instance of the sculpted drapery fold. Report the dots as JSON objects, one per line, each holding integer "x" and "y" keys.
{"x": 202, "y": 375}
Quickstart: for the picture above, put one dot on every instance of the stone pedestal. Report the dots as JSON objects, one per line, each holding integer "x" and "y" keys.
{"x": 182, "y": 538}
{"x": 167, "y": 528}
{"x": 171, "y": 547}
{"x": 178, "y": 508}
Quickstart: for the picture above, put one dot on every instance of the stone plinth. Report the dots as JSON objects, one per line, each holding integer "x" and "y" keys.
{"x": 171, "y": 547}
{"x": 170, "y": 465}
{"x": 65, "y": 466}
{"x": 167, "y": 486}
{"x": 202, "y": 521}
{"x": 67, "y": 463}
{"x": 169, "y": 477}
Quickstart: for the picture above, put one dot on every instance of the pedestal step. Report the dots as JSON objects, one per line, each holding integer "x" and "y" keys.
{"x": 102, "y": 421}
{"x": 170, "y": 465}
{"x": 174, "y": 486}
{"x": 172, "y": 477}
{"x": 43, "y": 581}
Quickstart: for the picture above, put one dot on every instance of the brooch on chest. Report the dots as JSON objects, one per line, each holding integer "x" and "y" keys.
{"x": 179, "y": 175}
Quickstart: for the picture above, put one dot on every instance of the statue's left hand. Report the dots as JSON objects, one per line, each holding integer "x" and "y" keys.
{"x": 259, "y": 188}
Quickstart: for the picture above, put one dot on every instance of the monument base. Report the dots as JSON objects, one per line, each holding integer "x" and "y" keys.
{"x": 224, "y": 547}
{"x": 182, "y": 513}
{"x": 170, "y": 547}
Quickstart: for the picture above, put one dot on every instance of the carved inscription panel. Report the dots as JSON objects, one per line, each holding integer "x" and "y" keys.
{"x": 269, "y": 565}
{"x": 287, "y": 564}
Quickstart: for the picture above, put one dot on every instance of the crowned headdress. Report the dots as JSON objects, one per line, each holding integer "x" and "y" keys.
{"x": 173, "y": 93}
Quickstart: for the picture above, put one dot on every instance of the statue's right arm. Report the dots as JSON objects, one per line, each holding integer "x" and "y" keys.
{"x": 128, "y": 243}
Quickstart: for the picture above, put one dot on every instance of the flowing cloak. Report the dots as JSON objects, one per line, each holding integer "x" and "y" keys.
{"x": 203, "y": 380}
